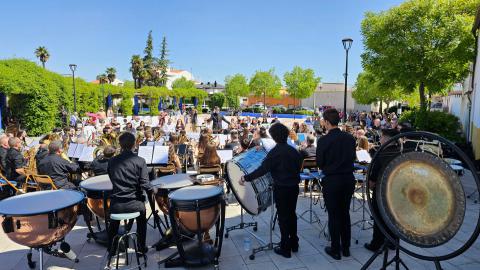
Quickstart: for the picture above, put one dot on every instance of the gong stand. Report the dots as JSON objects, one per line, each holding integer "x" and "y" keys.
{"x": 417, "y": 156}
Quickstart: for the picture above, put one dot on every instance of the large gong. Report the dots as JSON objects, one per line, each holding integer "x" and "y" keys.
{"x": 421, "y": 199}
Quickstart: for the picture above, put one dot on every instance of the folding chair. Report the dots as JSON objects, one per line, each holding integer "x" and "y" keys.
{"x": 6, "y": 185}
{"x": 44, "y": 181}
{"x": 309, "y": 163}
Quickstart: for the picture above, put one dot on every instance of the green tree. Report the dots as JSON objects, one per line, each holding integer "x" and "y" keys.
{"x": 111, "y": 74}
{"x": 163, "y": 63}
{"x": 235, "y": 86}
{"x": 148, "y": 51}
{"x": 265, "y": 83}
{"x": 183, "y": 83}
{"x": 423, "y": 44}
{"x": 216, "y": 100}
{"x": 102, "y": 78}
{"x": 137, "y": 70}
{"x": 369, "y": 89}
{"x": 300, "y": 83}
{"x": 42, "y": 54}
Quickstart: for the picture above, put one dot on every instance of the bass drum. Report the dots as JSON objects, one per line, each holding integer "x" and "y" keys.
{"x": 39, "y": 219}
{"x": 255, "y": 196}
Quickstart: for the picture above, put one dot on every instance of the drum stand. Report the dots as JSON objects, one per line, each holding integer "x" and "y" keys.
{"x": 242, "y": 225}
{"x": 50, "y": 251}
{"x": 365, "y": 212}
{"x": 266, "y": 245}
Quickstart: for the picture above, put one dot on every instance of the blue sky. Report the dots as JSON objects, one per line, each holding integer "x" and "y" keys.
{"x": 211, "y": 38}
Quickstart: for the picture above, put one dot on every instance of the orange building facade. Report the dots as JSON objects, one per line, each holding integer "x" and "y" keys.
{"x": 285, "y": 100}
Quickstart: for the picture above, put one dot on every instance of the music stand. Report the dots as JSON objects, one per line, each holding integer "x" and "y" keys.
{"x": 313, "y": 216}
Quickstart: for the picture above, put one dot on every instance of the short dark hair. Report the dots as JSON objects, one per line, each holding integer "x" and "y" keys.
{"x": 263, "y": 132}
{"x": 109, "y": 151}
{"x": 279, "y": 133}
{"x": 332, "y": 116}
{"x": 390, "y": 132}
{"x": 126, "y": 140}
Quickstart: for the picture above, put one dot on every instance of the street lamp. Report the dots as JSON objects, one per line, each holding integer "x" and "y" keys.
{"x": 73, "y": 67}
{"x": 347, "y": 43}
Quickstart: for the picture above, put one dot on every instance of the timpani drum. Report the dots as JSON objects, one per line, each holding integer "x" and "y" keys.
{"x": 196, "y": 208}
{"x": 98, "y": 190}
{"x": 162, "y": 186}
{"x": 40, "y": 219}
{"x": 253, "y": 196}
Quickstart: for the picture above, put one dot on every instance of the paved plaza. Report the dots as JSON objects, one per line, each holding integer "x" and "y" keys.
{"x": 234, "y": 257}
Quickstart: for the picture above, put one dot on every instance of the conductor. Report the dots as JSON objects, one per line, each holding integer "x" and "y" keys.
{"x": 129, "y": 175}
{"x": 335, "y": 157}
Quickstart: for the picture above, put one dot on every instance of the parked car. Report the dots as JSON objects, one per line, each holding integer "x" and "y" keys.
{"x": 438, "y": 107}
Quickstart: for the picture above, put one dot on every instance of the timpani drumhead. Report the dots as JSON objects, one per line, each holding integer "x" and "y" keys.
{"x": 174, "y": 181}
{"x": 40, "y": 202}
{"x": 195, "y": 193}
{"x": 97, "y": 183}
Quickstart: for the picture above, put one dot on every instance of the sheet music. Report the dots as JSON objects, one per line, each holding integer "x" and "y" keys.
{"x": 150, "y": 143}
{"x": 268, "y": 143}
{"x": 222, "y": 138}
{"x": 160, "y": 155}
{"x": 363, "y": 156}
{"x": 79, "y": 150}
{"x": 71, "y": 149}
{"x": 160, "y": 142}
{"x": 87, "y": 154}
{"x": 146, "y": 152}
{"x": 225, "y": 155}
{"x": 34, "y": 143}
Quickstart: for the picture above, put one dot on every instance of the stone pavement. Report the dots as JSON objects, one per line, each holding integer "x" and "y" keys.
{"x": 234, "y": 257}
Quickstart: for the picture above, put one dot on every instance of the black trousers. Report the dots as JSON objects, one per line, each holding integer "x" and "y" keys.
{"x": 286, "y": 203}
{"x": 129, "y": 207}
{"x": 337, "y": 193}
{"x": 378, "y": 237}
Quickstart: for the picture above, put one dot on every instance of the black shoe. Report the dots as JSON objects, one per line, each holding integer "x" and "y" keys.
{"x": 143, "y": 250}
{"x": 282, "y": 252}
{"x": 335, "y": 255}
{"x": 372, "y": 247}
{"x": 391, "y": 246}
{"x": 346, "y": 252}
{"x": 295, "y": 248}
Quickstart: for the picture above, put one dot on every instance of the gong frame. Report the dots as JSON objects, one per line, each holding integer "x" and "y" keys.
{"x": 424, "y": 135}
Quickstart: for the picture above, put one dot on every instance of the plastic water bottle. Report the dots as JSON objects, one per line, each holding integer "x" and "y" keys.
{"x": 247, "y": 243}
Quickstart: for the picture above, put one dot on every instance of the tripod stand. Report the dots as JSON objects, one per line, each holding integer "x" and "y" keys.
{"x": 312, "y": 215}
{"x": 396, "y": 259}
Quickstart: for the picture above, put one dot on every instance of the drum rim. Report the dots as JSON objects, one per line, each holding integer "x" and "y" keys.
{"x": 82, "y": 183}
{"x": 220, "y": 189}
{"x": 47, "y": 211}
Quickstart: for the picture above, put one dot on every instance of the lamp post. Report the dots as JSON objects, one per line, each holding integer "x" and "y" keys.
{"x": 347, "y": 43}
{"x": 73, "y": 67}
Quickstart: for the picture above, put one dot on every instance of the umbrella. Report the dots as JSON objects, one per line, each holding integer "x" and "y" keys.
{"x": 109, "y": 101}
{"x": 135, "y": 105}
{"x": 174, "y": 101}
{"x": 160, "y": 104}
{"x": 195, "y": 101}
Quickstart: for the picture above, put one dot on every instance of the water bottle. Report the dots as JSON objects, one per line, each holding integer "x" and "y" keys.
{"x": 247, "y": 243}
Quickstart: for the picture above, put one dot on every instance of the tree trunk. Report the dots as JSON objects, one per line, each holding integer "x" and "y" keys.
{"x": 381, "y": 106}
{"x": 388, "y": 105}
{"x": 421, "y": 91}
{"x": 43, "y": 64}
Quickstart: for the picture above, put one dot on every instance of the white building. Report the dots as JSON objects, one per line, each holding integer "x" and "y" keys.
{"x": 174, "y": 74}
{"x": 332, "y": 94}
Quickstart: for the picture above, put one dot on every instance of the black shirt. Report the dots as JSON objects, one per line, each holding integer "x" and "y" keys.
{"x": 3, "y": 158}
{"x": 382, "y": 160}
{"x": 15, "y": 161}
{"x": 283, "y": 162}
{"x": 41, "y": 154}
{"x": 129, "y": 175}
{"x": 309, "y": 151}
{"x": 58, "y": 169}
{"x": 217, "y": 119}
{"x": 99, "y": 166}
{"x": 336, "y": 153}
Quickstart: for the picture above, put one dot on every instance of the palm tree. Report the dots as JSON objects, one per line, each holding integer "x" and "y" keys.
{"x": 136, "y": 69}
{"x": 102, "y": 78}
{"x": 43, "y": 54}
{"x": 111, "y": 74}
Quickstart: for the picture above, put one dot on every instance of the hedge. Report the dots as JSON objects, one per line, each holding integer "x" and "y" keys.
{"x": 37, "y": 95}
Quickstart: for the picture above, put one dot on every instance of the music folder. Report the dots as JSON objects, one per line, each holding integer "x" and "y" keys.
{"x": 146, "y": 152}
{"x": 79, "y": 150}
{"x": 87, "y": 154}
{"x": 71, "y": 149}
{"x": 160, "y": 155}
{"x": 363, "y": 156}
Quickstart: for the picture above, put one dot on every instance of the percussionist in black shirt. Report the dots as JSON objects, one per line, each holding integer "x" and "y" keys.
{"x": 283, "y": 162}
{"x": 15, "y": 163}
{"x": 129, "y": 175}
{"x": 335, "y": 157}
{"x": 99, "y": 165}
{"x": 3, "y": 152}
{"x": 57, "y": 167}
